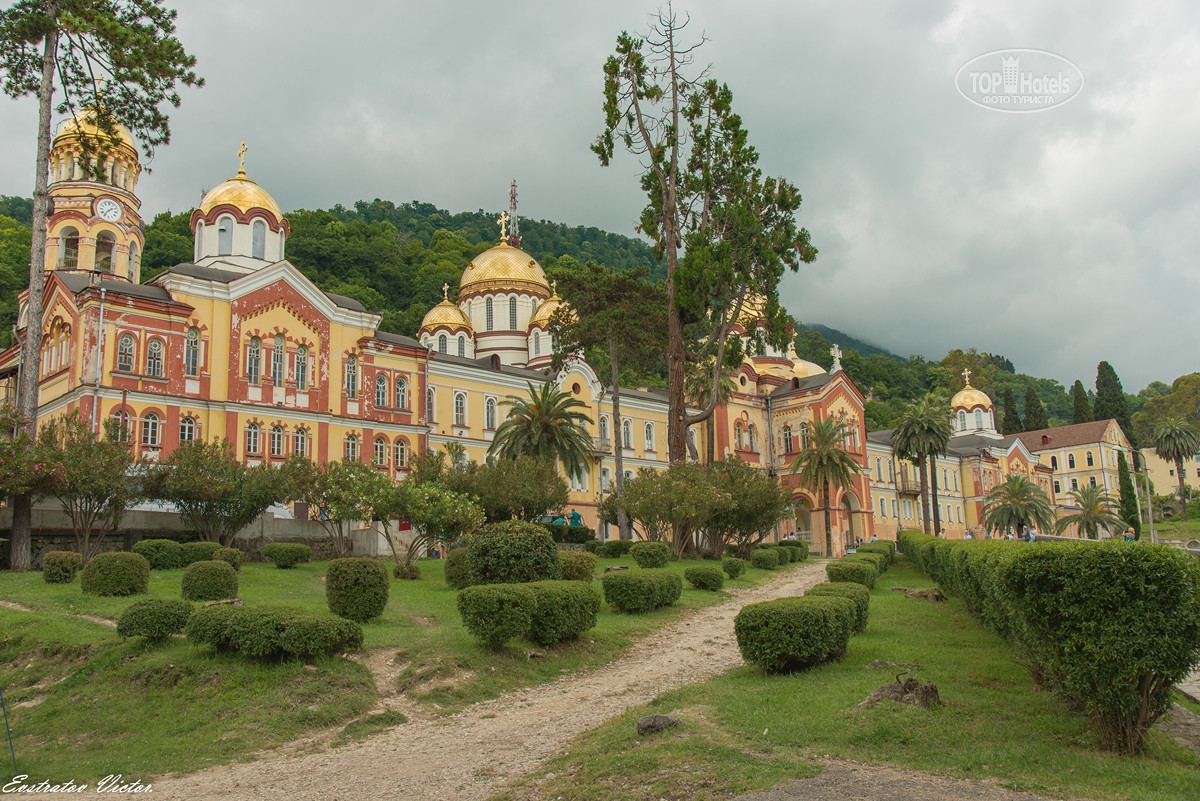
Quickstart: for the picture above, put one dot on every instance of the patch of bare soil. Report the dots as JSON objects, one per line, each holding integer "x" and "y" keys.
{"x": 99, "y": 621}
{"x": 15, "y": 606}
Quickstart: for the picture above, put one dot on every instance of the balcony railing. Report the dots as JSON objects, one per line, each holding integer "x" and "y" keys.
{"x": 909, "y": 485}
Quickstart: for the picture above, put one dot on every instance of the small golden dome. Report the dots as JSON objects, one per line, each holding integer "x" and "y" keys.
{"x": 446, "y": 315}
{"x": 541, "y": 317}
{"x": 968, "y": 397}
{"x": 754, "y": 307}
{"x": 803, "y": 369}
{"x": 505, "y": 269}
{"x": 241, "y": 193}
{"x": 85, "y": 122}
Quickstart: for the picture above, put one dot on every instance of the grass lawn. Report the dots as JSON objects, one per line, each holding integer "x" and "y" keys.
{"x": 746, "y": 731}
{"x": 83, "y": 703}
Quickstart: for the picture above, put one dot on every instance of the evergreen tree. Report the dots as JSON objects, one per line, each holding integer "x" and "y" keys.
{"x": 1010, "y": 421}
{"x": 1083, "y": 409}
{"x": 1110, "y": 401}
{"x": 1129, "y": 504}
{"x": 1035, "y": 412}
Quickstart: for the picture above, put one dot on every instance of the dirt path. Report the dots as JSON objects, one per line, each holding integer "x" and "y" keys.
{"x": 471, "y": 754}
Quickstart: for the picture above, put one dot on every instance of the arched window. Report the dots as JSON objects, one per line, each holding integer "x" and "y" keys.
{"x": 254, "y": 360}
{"x": 1091, "y": 481}
{"x": 487, "y": 311}
{"x": 430, "y": 408}
{"x": 401, "y": 456}
{"x": 199, "y": 240}
{"x": 150, "y": 430}
{"x": 401, "y": 393}
{"x": 253, "y": 442}
{"x": 120, "y": 431}
{"x": 278, "y": 349}
{"x": 739, "y": 437}
{"x": 787, "y": 439}
{"x": 381, "y": 388}
{"x": 945, "y": 478}
{"x": 106, "y": 245}
{"x": 1071, "y": 461}
{"x": 1053, "y": 462}
{"x": 258, "y": 239}
{"x": 462, "y": 345}
{"x": 804, "y": 436}
{"x": 1074, "y": 483}
{"x": 460, "y": 409}
{"x": 627, "y": 433}
{"x": 187, "y": 429}
{"x": 134, "y": 259}
{"x": 125, "y": 349}
{"x": 489, "y": 413}
{"x": 979, "y": 418}
{"x": 442, "y": 343}
{"x": 882, "y": 507}
{"x": 752, "y": 431}
{"x": 300, "y": 442}
{"x": 891, "y": 472}
{"x": 962, "y": 420}
{"x": 191, "y": 352}
{"x": 351, "y": 385}
{"x": 603, "y": 429}
{"x": 381, "y": 452}
{"x": 648, "y": 430}
{"x": 955, "y": 474}
{"x": 276, "y": 442}
{"x": 512, "y": 314}
{"x": 154, "y": 358}
{"x": 879, "y": 468}
{"x": 350, "y": 448}
{"x": 302, "y": 368}
{"x": 68, "y": 248}
{"x": 1091, "y": 460}
{"x": 225, "y": 236}
{"x": 1057, "y": 486}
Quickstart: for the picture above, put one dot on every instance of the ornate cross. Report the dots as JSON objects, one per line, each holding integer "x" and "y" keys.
{"x": 503, "y": 220}
{"x": 554, "y": 287}
{"x": 836, "y": 353}
{"x": 967, "y": 376}
{"x": 242, "y": 158}
{"x": 446, "y": 292}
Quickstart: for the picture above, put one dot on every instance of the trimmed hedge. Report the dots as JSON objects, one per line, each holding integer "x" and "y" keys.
{"x": 116, "y": 573}
{"x": 848, "y": 589}
{"x": 733, "y": 566}
{"x": 356, "y": 588}
{"x": 155, "y": 619}
{"x": 458, "y": 569}
{"x": 161, "y": 554}
{"x": 641, "y": 590}
{"x": 592, "y": 545}
{"x": 272, "y": 632}
{"x": 614, "y": 549}
{"x": 651, "y": 554}
{"x": 198, "y": 552}
{"x": 764, "y": 558}
{"x": 860, "y": 572}
{"x": 562, "y": 532}
{"x": 286, "y": 554}
{"x": 233, "y": 556}
{"x": 876, "y": 560}
{"x": 705, "y": 578}
{"x": 562, "y": 610}
{"x": 496, "y": 613}
{"x": 310, "y": 636}
{"x": 60, "y": 567}
{"x": 512, "y": 552}
{"x": 209, "y": 625}
{"x": 885, "y": 547}
{"x": 800, "y": 548}
{"x": 794, "y": 633}
{"x": 209, "y": 581}
{"x": 577, "y": 565}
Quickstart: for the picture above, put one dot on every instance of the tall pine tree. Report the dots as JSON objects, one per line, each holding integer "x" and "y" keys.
{"x": 1129, "y": 504}
{"x": 1010, "y": 421}
{"x": 1035, "y": 412}
{"x": 1083, "y": 408}
{"x": 1110, "y": 401}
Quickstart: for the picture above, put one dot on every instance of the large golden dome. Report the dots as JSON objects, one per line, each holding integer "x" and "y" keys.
{"x": 969, "y": 398}
{"x": 84, "y": 123}
{"x": 241, "y": 193}
{"x": 446, "y": 315}
{"x": 504, "y": 269}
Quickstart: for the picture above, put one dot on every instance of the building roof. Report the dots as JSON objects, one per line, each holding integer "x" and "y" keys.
{"x": 345, "y": 302}
{"x": 1065, "y": 436}
{"x": 241, "y": 193}
{"x": 397, "y": 339}
{"x": 78, "y": 282}
{"x": 203, "y": 273}
{"x": 803, "y": 384}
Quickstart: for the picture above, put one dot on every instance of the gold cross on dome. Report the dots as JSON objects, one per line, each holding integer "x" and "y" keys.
{"x": 503, "y": 220}
{"x": 445, "y": 292}
{"x": 967, "y": 376}
{"x": 242, "y": 158}
{"x": 554, "y": 287}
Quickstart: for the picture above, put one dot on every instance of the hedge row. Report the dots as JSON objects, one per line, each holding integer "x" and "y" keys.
{"x": 272, "y": 632}
{"x": 795, "y": 633}
{"x": 155, "y": 619}
{"x": 641, "y": 590}
{"x": 764, "y": 558}
{"x": 163, "y": 554}
{"x": 1112, "y": 627}
{"x": 858, "y": 571}
{"x": 857, "y": 593}
{"x": 545, "y": 612}
{"x": 613, "y": 549}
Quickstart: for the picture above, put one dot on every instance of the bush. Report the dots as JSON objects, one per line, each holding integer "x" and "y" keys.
{"x": 497, "y": 613}
{"x": 161, "y": 554}
{"x": 512, "y": 552}
{"x": 257, "y": 632}
{"x": 407, "y": 572}
{"x": 733, "y": 566}
{"x": 848, "y": 589}
{"x": 209, "y": 581}
{"x": 888, "y": 549}
{"x": 577, "y": 565}
{"x": 592, "y": 545}
{"x": 458, "y": 569}
{"x": 155, "y": 619}
{"x": 799, "y": 549}
{"x": 309, "y": 636}
{"x": 577, "y": 535}
{"x": 705, "y": 578}
{"x": 764, "y": 558}
{"x": 785, "y": 554}
{"x": 209, "y": 625}
{"x": 860, "y": 572}
{"x": 60, "y": 567}
{"x": 198, "y": 552}
{"x": 116, "y": 573}
{"x": 562, "y": 610}
{"x": 794, "y": 633}
{"x": 651, "y": 554}
{"x": 875, "y": 560}
{"x": 356, "y": 588}
{"x": 232, "y": 556}
{"x": 641, "y": 590}
{"x": 286, "y": 554}
{"x": 614, "y": 549}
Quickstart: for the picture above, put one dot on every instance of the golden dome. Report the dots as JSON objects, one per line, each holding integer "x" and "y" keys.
{"x": 446, "y": 315}
{"x": 85, "y": 122}
{"x": 241, "y": 193}
{"x": 803, "y": 369}
{"x": 969, "y": 397}
{"x": 541, "y": 317}
{"x": 504, "y": 268}
{"x": 754, "y": 307}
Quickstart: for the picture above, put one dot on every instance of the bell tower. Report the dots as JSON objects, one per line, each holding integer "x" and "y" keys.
{"x": 94, "y": 224}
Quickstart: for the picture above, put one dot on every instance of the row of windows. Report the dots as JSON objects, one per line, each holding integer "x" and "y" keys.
{"x": 258, "y": 238}
{"x": 1184, "y": 473}
{"x": 155, "y": 364}
{"x": 1088, "y": 457}
{"x": 443, "y": 343}
{"x": 276, "y": 441}
{"x": 399, "y": 451}
{"x": 627, "y": 433}
{"x": 106, "y": 249}
{"x": 1074, "y": 483}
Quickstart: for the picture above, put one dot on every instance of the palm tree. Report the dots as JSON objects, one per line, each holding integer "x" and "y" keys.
{"x": 1095, "y": 511}
{"x": 545, "y": 425}
{"x": 1176, "y": 440}
{"x": 697, "y": 385}
{"x": 825, "y": 464}
{"x": 923, "y": 432}
{"x": 1016, "y": 503}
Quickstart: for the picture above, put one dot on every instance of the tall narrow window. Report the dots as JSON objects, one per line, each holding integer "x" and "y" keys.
{"x": 962, "y": 420}
{"x": 1071, "y": 460}
{"x": 489, "y": 413}
{"x": 302, "y": 368}
{"x": 254, "y": 360}
{"x": 187, "y": 429}
{"x": 627, "y": 433}
{"x": 752, "y": 433}
{"x": 199, "y": 240}
{"x": 191, "y": 352}
{"x": 401, "y": 456}
{"x": 122, "y": 432}
{"x": 787, "y": 439}
{"x": 879, "y": 468}
{"x": 106, "y": 246}
{"x": 430, "y": 408}
{"x": 979, "y": 418}
{"x": 487, "y": 310}
{"x": 258, "y": 239}
{"x": 150, "y": 430}
{"x": 300, "y": 442}
{"x": 739, "y": 435}
{"x": 277, "y": 354}
{"x": 154, "y": 358}
{"x": 537, "y": 343}
{"x": 351, "y": 377}
{"x": 460, "y": 409}
{"x": 648, "y": 430}
{"x": 350, "y": 448}
{"x": 276, "y": 442}
{"x": 1053, "y": 462}
{"x": 125, "y": 348}
{"x": 891, "y": 472}
{"x": 804, "y": 436}
{"x": 381, "y": 452}
{"x": 225, "y": 236}
{"x": 462, "y": 345}
{"x": 381, "y": 388}
{"x": 252, "y": 438}
{"x": 512, "y": 314}
{"x": 603, "y": 429}
{"x": 1091, "y": 460}
{"x": 134, "y": 259}
{"x": 68, "y": 248}
{"x": 401, "y": 393}
{"x": 442, "y": 343}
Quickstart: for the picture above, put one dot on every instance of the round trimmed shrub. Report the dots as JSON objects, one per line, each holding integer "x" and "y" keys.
{"x": 799, "y": 548}
{"x": 155, "y": 619}
{"x": 209, "y": 625}
{"x": 161, "y": 554}
{"x": 233, "y": 556}
{"x": 876, "y": 560}
{"x": 651, "y": 554}
{"x": 497, "y": 613}
{"x": 794, "y": 633}
{"x": 859, "y": 572}
{"x": 310, "y": 636}
{"x": 116, "y": 573}
{"x": 592, "y": 545}
{"x": 847, "y": 589}
{"x": 513, "y": 552}
{"x": 733, "y": 566}
{"x": 614, "y": 549}
{"x": 257, "y": 632}
{"x": 577, "y": 565}
{"x": 562, "y": 610}
{"x": 209, "y": 581}
{"x": 60, "y": 567}
{"x": 286, "y": 554}
{"x": 458, "y": 569}
{"x": 785, "y": 554}
{"x": 641, "y": 590}
{"x": 356, "y": 588}
{"x": 199, "y": 552}
{"x": 705, "y": 578}
{"x": 764, "y": 558}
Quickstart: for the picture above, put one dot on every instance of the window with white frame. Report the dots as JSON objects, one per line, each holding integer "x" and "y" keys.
{"x": 125, "y": 352}
{"x": 401, "y": 455}
{"x": 1071, "y": 461}
{"x": 648, "y": 430}
{"x": 302, "y": 369}
{"x": 381, "y": 388}
{"x": 489, "y": 413}
{"x": 187, "y": 429}
{"x": 276, "y": 441}
{"x": 278, "y": 351}
{"x": 1090, "y": 459}
{"x": 253, "y": 433}
{"x": 150, "y": 430}
{"x": 443, "y": 344}
{"x": 351, "y": 377}
{"x": 430, "y": 407}
{"x": 627, "y": 433}
{"x": 122, "y": 431}
{"x": 254, "y": 360}
{"x": 381, "y": 452}
{"x": 154, "y": 358}
{"x": 460, "y": 409}
{"x": 487, "y": 312}
{"x": 300, "y": 442}
{"x": 191, "y": 352}
{"x": 462, "y": 345}
{"x": 225, "y": 236}
{"x": 350, "y": 448}
{"x": 258, "y": 239}
{"x": 603, "y": 428}
{"x": 401, "y": 393}
{"x": 512, "y": 314}
{"x": 787, "y": 439}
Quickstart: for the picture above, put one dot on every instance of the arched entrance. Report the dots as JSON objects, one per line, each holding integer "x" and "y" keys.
{"x": 853, "y": 530}
{"x": 804, "y": 524}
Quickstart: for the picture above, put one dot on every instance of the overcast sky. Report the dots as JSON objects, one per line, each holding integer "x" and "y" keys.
{"x": 1058, "y": 238}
